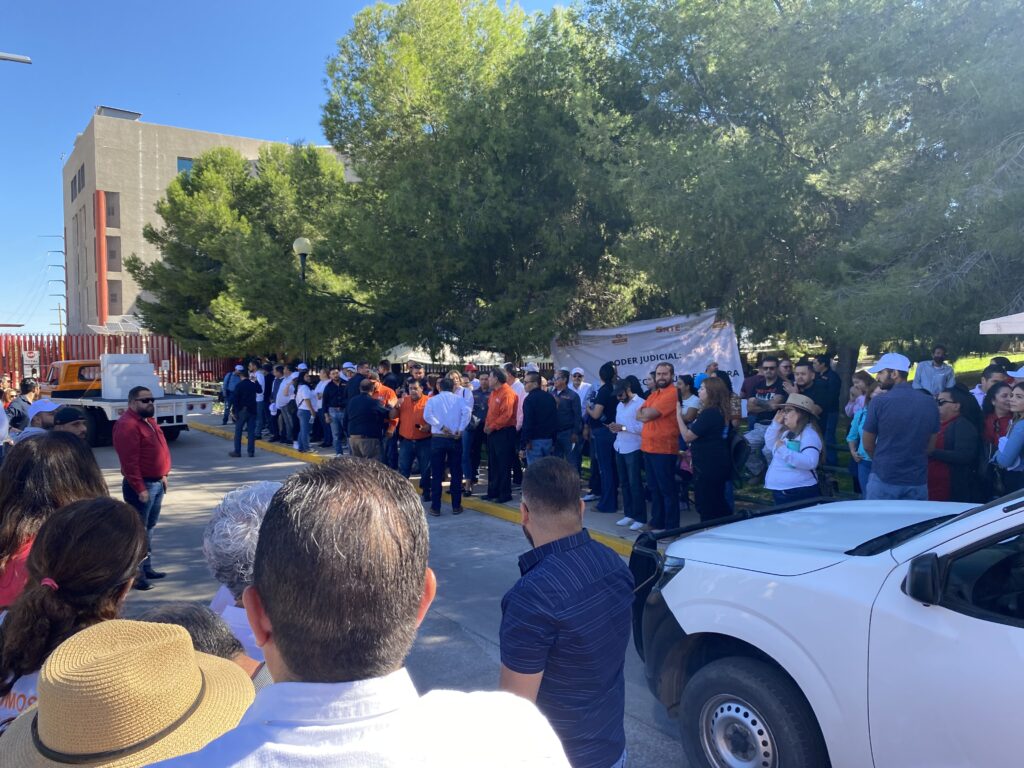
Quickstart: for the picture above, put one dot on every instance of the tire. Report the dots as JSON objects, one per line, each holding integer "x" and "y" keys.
{"x": 739, "y": 712}
{"x": 171, "y": 433}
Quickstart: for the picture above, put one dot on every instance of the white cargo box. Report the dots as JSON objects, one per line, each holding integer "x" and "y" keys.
{"x": 119, "y": 373}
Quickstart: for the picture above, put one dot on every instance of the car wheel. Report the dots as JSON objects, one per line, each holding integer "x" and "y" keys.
{"x": 744, "y": 713}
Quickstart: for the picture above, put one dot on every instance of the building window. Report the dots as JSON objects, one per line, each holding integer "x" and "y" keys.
{"x": 184, "y": 164}
{"x": 81, "y": 177}
{"x": 74, "y": 188}
{"x": 114, "y": 297}
{"x": 78, "y": 182}
{"x": 113, "y": 253}
{"x": 113, "y": 209}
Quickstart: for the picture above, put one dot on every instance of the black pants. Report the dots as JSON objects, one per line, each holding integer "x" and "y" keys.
{"x": 709, "y": 479}
{"x": 476, "y": 446}
{"x": 501, "y": 448}
{"x": 517, "y": 465}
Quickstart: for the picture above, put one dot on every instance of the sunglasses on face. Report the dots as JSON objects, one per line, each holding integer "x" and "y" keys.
{"x": 144, "y": 399}
{"x": 769, "y": 368}
{"x": 577, "y": 375}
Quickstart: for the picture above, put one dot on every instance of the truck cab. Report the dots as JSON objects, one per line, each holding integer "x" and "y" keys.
{"x": 72, "y": 378}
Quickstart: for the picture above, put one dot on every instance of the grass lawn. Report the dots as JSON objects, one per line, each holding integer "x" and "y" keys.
{"x": 968, "y": 369}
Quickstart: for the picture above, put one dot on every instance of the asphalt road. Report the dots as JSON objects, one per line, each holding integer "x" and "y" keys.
{"x": 474, "y": 557}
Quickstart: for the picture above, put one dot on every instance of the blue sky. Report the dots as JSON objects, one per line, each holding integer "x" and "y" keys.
{"x": 251, "y": 69}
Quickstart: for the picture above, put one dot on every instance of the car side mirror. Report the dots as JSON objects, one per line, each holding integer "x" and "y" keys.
{"x": 924, "y": 580}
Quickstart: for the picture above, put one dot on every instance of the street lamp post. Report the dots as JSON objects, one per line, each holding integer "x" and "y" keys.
{"x": 301, "y": 247}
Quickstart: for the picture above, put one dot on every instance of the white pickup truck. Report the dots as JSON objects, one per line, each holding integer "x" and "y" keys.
{"x": 848, "y": 634}
{"x": 101, "y": 387}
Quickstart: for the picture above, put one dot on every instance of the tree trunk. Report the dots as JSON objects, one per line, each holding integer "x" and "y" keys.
{"x": 848, "y": 355}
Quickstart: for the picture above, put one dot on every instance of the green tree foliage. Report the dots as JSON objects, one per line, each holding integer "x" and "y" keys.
{"x": 842, "y": 169}
{"x": 489, "y": 204}
{"x": 228, "y": 281}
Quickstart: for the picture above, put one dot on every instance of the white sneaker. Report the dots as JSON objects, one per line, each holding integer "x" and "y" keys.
{"x": 625, "y": 521}
{"x": 591, "y": 497}
{"x": 636, "y": 526}
{"x": 295, "y": 445}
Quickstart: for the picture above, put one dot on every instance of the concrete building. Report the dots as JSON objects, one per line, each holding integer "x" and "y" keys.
{"x": 119, "y": 169}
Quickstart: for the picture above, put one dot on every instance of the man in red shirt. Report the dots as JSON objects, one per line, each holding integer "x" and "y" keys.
{"x": 500, "y": 428}
{"x": 415, "y": 436}
{"x": 145, "y": 464}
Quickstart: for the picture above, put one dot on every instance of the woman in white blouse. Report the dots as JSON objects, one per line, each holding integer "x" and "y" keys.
{"x": 795, "y": 444}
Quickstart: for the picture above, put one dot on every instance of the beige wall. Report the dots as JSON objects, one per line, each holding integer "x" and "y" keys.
{"x": 136, "y": 160}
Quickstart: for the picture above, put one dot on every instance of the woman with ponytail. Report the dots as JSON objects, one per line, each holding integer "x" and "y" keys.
{"x": 81, "y": 567}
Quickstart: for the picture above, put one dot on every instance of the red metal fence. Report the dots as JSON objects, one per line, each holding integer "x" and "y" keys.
{"x": 182, "y": 366}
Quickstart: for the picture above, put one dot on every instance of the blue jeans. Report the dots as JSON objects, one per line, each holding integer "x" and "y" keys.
{"x": 661, "y": 482}
{"x": 246, "y": 419}
{"x": 566, "y": 449}
{"x": 445, "y": 451}
{"x": 229, "y": 399}
{"x": 419, "y": 450}
{"x": 863, "y": 475}
{"x": 795, "y": 494}
{"x": 538, "y": 449}
{"x": 629, "y": 466}
{"x": 149, "y": 511}
{"x": 305, "y": 427}
{"x": 877, "y": 489}
{"x": 467, "y": 451}
{"x": 602, "y": 444}
{"x": 338, "y": 428}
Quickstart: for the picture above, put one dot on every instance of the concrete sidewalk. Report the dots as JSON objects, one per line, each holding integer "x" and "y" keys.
{"x": 600, "y": 524}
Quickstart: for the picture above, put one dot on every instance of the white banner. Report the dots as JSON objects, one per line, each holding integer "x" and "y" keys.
{"x": 689, "y": 342}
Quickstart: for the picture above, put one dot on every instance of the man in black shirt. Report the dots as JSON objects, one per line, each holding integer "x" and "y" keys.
{"x": 387, "y": 376}
{"x": 805, "y": 383}
{"x": 540, "y": 421}
{"x": 335, "y": 400}
{"x": 570, "y": 420}
{"x": 365, "y": 420}
{"x": 767, "y": 395}
{"x": 830, "y": 410}
{"x": 476, "y": 443}
{"x": 362, "y": 371}
{"x": 244, "y": 406}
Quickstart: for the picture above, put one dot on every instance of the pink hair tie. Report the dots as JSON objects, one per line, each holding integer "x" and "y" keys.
{"x": 48, "y": 582}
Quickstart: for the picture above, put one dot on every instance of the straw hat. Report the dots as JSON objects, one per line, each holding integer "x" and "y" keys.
{"x": 121, "y": 694}
{"x": 804, "y": 403}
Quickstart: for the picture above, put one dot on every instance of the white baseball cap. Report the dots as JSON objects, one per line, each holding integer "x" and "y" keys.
{"x": 532, "y": 368}
{"x": 893, "y": 361}
{"x": 239, "y": 368}
{"x": 576, "y": 370}
{"x": 1019, "y": 374}
{"x": 45, "y": 405}
{"x": 348, "y": 366}
{"x": 303, "y": 367}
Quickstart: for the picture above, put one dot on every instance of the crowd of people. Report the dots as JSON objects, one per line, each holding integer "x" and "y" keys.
{"x": 660, "y": 447}
{"x": 299, "y": 658}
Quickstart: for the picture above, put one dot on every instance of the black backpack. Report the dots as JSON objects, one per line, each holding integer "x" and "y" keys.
{"x": 739, "y": 452}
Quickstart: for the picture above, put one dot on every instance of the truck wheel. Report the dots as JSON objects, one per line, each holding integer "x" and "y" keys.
{"x": 171, "y": 433}
{"x": 738, "y": 712}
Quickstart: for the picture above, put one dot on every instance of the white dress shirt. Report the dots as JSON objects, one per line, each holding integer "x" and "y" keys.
{"x": 447, "y": 410}
{"x": 520, "y": 389}
{"x": 382, "y": 723}
{"x": 625, "y": 414}
{"x": 583, "y": 390}
{"x": 318, "y": 392}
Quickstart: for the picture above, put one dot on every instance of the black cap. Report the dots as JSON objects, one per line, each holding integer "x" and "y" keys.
{"x": 67, "y": 414}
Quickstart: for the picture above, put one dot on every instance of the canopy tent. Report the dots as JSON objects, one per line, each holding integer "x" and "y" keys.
{"x": 1011, "y": 324}
{"x": 404, "y": 353}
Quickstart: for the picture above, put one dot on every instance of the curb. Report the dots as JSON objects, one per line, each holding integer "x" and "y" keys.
{"x": 621, "y": 546}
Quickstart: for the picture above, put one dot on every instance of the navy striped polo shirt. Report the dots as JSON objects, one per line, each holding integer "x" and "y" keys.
{"x": 569, "y": 617}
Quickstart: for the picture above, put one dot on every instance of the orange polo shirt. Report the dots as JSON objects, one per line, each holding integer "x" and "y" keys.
{"x": 662, "y": 434}
{"x": 501, "y": 408}
{"x": 385, "y": 396}
{"x": 410, "y": 416}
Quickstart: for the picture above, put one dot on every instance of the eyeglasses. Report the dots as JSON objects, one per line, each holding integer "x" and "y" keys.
{"x": 577, "y": 375}
{"x": 769, "y": 368}
{"x": 144, "y": 399}
{"x": 945, "y": 402}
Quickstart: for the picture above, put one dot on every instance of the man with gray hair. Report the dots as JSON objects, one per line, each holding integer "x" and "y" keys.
{"x": 229, "y": 547}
